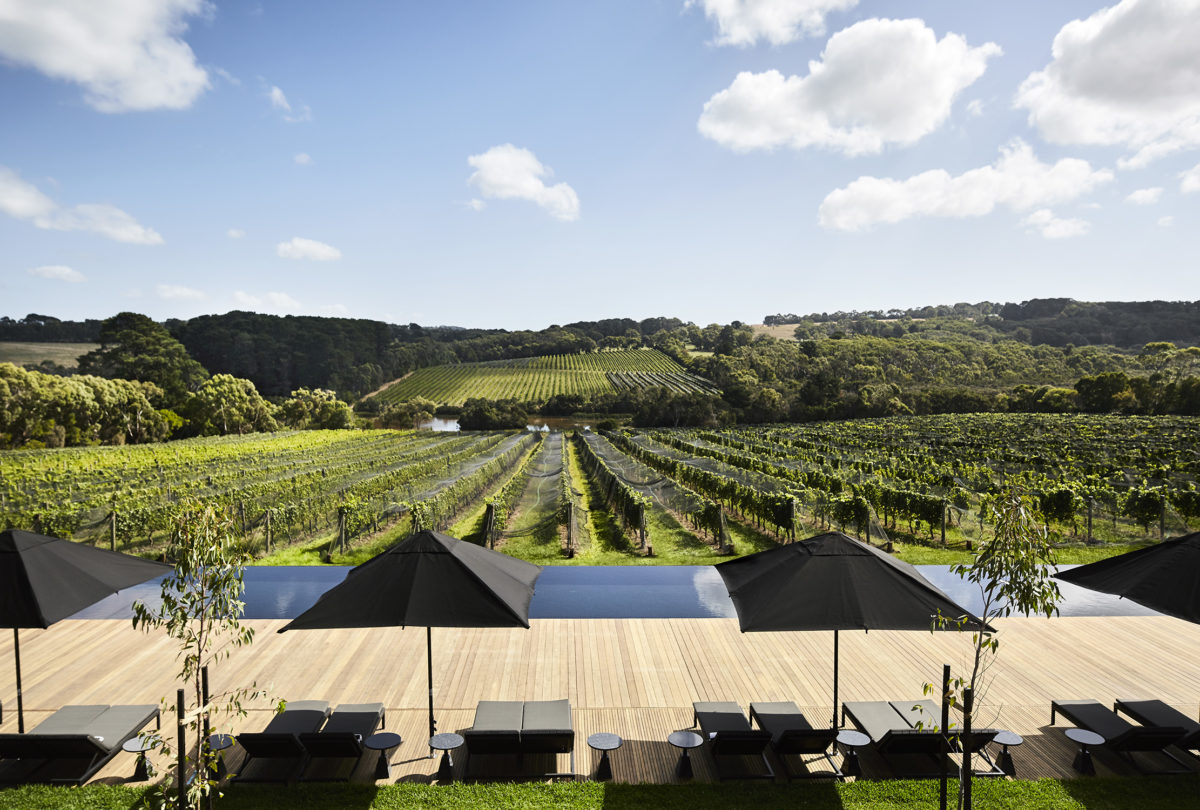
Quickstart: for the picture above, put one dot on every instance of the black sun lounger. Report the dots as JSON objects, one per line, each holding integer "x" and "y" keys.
{"x": 893, "y": 735}
{"x": 71, "y": 745}
{"x": 335, "y": 751}
{"x": 1120, "y": 736}
{"x": 280, "y": 743}
{"x": 792, "y": 735}
{"x": 1157, "y": 713}
{"x": 522, "y": 727}
{"x": 728, "y": 734}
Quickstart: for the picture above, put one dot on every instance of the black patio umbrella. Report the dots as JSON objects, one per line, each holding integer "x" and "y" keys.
{"x": 45, "y": 579}
{"x": 429, "y": 580}
{"x": 1163, "y": 577}
{"x": 832, "y": 582}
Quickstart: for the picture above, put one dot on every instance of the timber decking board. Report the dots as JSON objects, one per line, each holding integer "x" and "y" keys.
{"x": 633, "y": 677}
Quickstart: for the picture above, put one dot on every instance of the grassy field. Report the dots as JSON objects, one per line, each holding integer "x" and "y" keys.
{"x": 536, "y": 379}
{"x": 783, "y": 331}
{"x": 65, "y": 354}
{"x": 1145, "y": 793}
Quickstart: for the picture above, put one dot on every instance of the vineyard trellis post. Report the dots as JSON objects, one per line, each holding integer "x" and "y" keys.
{"x": 112, "y": 530}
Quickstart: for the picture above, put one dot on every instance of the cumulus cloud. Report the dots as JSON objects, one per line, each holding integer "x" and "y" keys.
{"x": 280, "y": 102}
{"x": 23, "y": 200}
{"x": 126, "y": 54}
{"x": 303, "y": 159}
{"x": 745, "y": 22}
{"x": 235, "y": 233}
{"x": 476, "y": 204}
{"x": 975, "y": 108}
{"x": 311, "y": 249}
{"x": 1189, "y": 181}
{"x": 878, "y": 82}
{"x": 1126, "y": 76}
{"x": 176, "y": 292}
{"x": 334, "y": 310}
{"x": 508, "y": 173}
{"x": 58, "y": 272}
{"x": 274, "y": 301}
{"x": 1166, "y": 222}
{"x": 1044, "y": 221}
{"x": 1145, "y": 196}
{"x": 1017, "y": 180}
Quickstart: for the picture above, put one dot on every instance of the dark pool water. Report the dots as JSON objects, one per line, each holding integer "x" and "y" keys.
{"x": 587, "y": 592}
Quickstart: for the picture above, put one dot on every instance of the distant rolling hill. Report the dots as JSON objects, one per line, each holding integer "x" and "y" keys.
{"x": 65, "y": 354}
{"x": 536, "y": 379}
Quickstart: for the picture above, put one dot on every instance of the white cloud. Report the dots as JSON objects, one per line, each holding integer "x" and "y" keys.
{"x": 1125, "y": 76}
{"x": 59, "y": 272}
{"x": 878, "y": 82}
{"x": 278, "y": 99}
{"x": 1166, "y": 222}
{"x": 975, "y": 108}
{"x": 273, "y": 301}
{"x": 509, "y": 173}
{"x": 1017, "y": 180}
{"x": 235, "y": 233}
{"x": 334, "y": 310}
{"x": 1189, "y": 181}
{"x": 280, "y": 102}
{"x": 745, "y": 22}
{"x": 126, "y": 54}
{"x": 22, "y": 200}
{"x": 303, "y": 159}
{"x": 175, "y": 292}
{"x": 1044, "y": 222}
{"x": 476, "y": 204}
{"x": 299, "y": 248}
{"x": 1145, "y": 196}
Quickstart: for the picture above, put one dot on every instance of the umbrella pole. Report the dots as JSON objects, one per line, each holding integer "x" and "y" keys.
{"x": 835, "y": 677}
{"x": 429, "y": 661}
{"x": 20, "y": 700}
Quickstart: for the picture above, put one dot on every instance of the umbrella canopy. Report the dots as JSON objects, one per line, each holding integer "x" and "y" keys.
{"x": 833, "y": 582}
{"x": 45, "y": 579}
{"x": 1163, "y": 577}
{"x": 428, "y": 580}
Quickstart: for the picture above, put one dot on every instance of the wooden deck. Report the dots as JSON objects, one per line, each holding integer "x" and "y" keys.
{"x": 634, "y": 677}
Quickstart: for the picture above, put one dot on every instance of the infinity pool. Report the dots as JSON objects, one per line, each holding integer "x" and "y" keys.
{"x": 586, "y": 592}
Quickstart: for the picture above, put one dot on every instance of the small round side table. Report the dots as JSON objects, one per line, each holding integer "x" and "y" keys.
{"x": 852, "y": 740}
{"x": 604, "y": 743}
{"x": 140, "y": 745}
{"x": 383, "y": 742}
{"x": 1005, "y": 761}
{"x": 685, "y": 741}
{"x": 446, "y": 743}
{"x": 1083, "y": 759}
{"x": 218, "y": 743}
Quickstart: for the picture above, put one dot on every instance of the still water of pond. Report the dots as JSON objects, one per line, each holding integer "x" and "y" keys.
{"x": 587, "y": 592}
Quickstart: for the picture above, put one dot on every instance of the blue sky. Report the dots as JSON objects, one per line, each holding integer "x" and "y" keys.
{"x": 525, "y": 163}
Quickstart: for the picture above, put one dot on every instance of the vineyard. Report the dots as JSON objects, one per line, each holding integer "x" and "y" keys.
{"x": 660, "y": 495}
{"x": 536, "y": 379}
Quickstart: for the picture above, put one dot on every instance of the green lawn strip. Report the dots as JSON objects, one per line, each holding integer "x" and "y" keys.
{"x": 1114, "y": 793}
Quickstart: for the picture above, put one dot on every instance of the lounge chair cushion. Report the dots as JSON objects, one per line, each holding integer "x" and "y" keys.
{"x": 1158, "y": 713}
{"x": 1118, "y": 733}
{"x": 280, "y": 738}
{"x": 889, "y": 728}
{"x": 72, "y": 744}
{"x": 546, "y": 727}
{"x": 344, "y": 731}
{"x": 720, "y": 716}
{"x": 790, "y": 731}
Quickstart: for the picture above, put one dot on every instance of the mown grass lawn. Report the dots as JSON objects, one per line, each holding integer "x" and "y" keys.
{"x": 1046, "y": 794}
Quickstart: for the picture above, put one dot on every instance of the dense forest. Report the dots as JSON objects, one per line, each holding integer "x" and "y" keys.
{"x": 1049, "y": 321}
{"x": 242, "y": 371}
